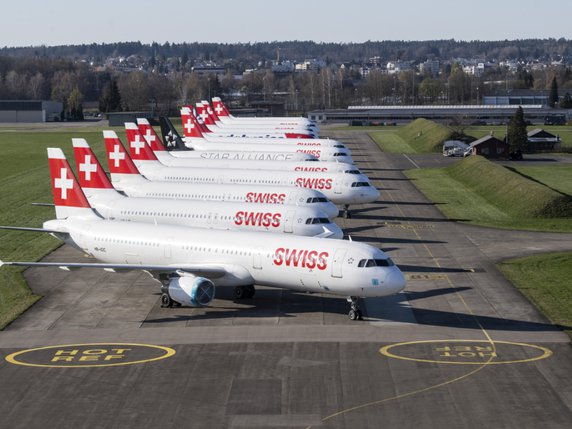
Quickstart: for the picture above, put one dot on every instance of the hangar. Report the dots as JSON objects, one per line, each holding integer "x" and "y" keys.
{"x": 30, "y": 111}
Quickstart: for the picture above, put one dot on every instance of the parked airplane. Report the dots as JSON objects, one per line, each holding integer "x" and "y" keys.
{"x": 224, "y": 116}
{"x": 208, "y": 116}
{"x": 144, "y": 132}
{"x": 339, "y": 188}
{"x": 196, "y": 126}
{"x": 110, "y": 204}
{"x": 127, "y": 179}
{"x": 194, "y": 139}
{"x": 191, "y": 262}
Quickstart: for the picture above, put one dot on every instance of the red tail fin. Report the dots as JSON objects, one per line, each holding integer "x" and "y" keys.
{"x": 138, "y": 147}
{"x": 119, "y": 160}
{"x": 89, "y": 170}
{"x": 203, "y": 114}
{"x": 190, "y": 125}
{"x": 219, "y": 107}
{"x": 68, "y": 196}
{"x": 210, "y": 111}
{"x": 150, "y": 135}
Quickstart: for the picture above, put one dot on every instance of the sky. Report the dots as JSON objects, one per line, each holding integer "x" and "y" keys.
{"x": 58, "y": 22}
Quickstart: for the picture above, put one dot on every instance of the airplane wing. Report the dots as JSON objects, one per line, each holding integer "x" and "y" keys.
{"x": 23, "y": 228}
{"x": 202, "y": 270}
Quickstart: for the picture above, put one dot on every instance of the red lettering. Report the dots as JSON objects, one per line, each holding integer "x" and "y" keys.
{"x": 257, "y": 219}
{"x": 276, "y": 220}
{"x": 319, "y": 169}
{"x": 313, "y": 183}
{"x": 308, "y": 144}
{"x": 316, "y": 153}
{"x": 299, "y": 257}
{"x": 265, "y": 197}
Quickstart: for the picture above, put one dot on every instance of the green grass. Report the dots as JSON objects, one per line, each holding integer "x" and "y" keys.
{"x": 419, "y": 136}
{"x": 478, "y": 191}
{"x": 24, "y": 178}
{"x": 558, "y": 177}
{"x": 545, "y": 281}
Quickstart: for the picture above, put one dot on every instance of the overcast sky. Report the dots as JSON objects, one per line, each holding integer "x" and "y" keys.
{"x": 57, "y": 22}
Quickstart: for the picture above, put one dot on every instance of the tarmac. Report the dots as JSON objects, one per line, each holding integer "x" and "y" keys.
{"x": 461, "y": 347}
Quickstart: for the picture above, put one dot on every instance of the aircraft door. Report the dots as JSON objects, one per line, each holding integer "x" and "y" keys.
{"x": 257, "y": 258}
{"x": 337, "y": 263}
{"x": 289, "y": 221}
{"x": 167, "y": 251}
{"x": 338, "y": 185}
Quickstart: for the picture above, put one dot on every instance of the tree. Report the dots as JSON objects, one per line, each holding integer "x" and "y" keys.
{"x": 110, "y": 100}
{"x": 516, "y": 134}
{"x": 75, "y": 105}
{"x": 553, "y": 97}
{"x": 566, "y": 102}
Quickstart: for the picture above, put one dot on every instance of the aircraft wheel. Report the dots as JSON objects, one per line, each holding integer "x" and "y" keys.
{"x": 166, "y": 300}
{"x": 240, "y": 292}
{"x": 353, "y": 315}
{"x": 251, "y": 291}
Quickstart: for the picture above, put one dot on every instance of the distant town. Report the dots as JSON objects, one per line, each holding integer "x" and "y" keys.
{"x": 288, "y": 77}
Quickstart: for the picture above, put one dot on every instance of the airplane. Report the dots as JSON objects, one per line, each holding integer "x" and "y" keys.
{"x": 191, "y": 262}
{"x": 187, "y": 113}
{"x": 127, "y": 179}
{"x": 142, "y": 132}
{"x": 174, "y": 144}
{"x": 339, "y": 188}
{"x": 208, "y": 116}
{"x": 110, "y": 204}
{"x": 194, "y": 139}
{"x": 224, "y": 116}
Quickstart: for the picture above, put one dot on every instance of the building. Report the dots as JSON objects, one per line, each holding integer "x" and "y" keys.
{"x": 118, "y": 119}
{"x": 30, "y": 111}
{"x": 518, "y": 97}
{"x": 490, "y": 147}
{"x": 541, "y": 140}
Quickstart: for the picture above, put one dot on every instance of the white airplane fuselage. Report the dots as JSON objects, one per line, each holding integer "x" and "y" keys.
{"x": 280, "y": 260}
{"x": 339, "y": 188}
{"x": 137, "y": 186}
{"x": 297, "y": 220}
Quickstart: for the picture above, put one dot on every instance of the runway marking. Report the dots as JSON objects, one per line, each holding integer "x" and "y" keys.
{"x": 425, "y": 277}
{"x": 409, "y": 226}
{"x": 89, "y": 355}
{"x": 466, "y": 352}
{"x": 411, "y": 161}
{"x": 483, "y": 365}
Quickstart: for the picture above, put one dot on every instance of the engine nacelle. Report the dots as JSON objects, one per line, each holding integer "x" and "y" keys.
{"x": 191, "y": 291}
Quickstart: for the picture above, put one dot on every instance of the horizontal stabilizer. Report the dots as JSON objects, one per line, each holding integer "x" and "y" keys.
{"x": 23, "y": 228}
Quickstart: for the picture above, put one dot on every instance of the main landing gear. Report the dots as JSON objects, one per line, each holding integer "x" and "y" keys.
{"x": 355, "y": 312}
{"x": 347, "y": 213}
{"x": 243, "y": 292}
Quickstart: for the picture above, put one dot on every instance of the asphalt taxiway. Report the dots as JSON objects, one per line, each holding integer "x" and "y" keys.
{"x": 459, "y": 348}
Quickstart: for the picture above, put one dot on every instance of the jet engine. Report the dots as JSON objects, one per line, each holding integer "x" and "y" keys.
{"x": 190, "y": 291}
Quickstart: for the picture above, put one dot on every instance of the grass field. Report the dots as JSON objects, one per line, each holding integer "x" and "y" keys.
{"x": 471, "y": 191}
{"x": 420, "y": 136}
{"x": 545, "y": 281}
{"x": 24, "y": 178}
{"x": 558, "y": 177}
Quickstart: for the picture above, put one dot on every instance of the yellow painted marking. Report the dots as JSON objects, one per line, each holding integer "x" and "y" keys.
{"x": 425, "y": 277}
{"x": 72, "y": 354}
{"x": 411, "y": 226}
{"x": 466, "y": 352}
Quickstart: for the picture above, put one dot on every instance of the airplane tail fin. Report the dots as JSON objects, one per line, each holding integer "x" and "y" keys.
{"x": 191, "y": 127}
{"x": 150, "y": 135}
{"x": 219, "y": 108}
{"x": 203, "y": 113}
{"x": 138, "y": 147}
{"x": 120, "y": 163}
{"x": 210, "y": 111}
{"x": 89, "y": 170}
{"x": 171, "y": 137}
{"x": 69, "y": 199}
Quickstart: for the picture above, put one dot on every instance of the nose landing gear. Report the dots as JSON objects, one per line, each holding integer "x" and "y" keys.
{"x": 347, "y": 213}
{"x": 355, "y": 312}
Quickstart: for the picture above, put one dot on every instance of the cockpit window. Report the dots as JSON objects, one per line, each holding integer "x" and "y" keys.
{"x": 339, "y": 145}
{"x": 375, "y": 263}
{"x": 317, "y": 220}
{"x": 352, "y": 172}
{"x": 360, "y": 184}
{"x": 340, "y": 154}
{"x": 316, "y": 200}
{"x": 313, "y": 159}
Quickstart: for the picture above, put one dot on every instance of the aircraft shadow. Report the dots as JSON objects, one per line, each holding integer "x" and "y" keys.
{"x": 422, "y": 269}
{"x": 386, "y": 240}
{"x": 272, "y": 303}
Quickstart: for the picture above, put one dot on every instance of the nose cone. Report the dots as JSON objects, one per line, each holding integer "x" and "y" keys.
{"x": 337, "y": 232}
{"x": 395, "y": 281}
{"x": 330, "y": 209}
